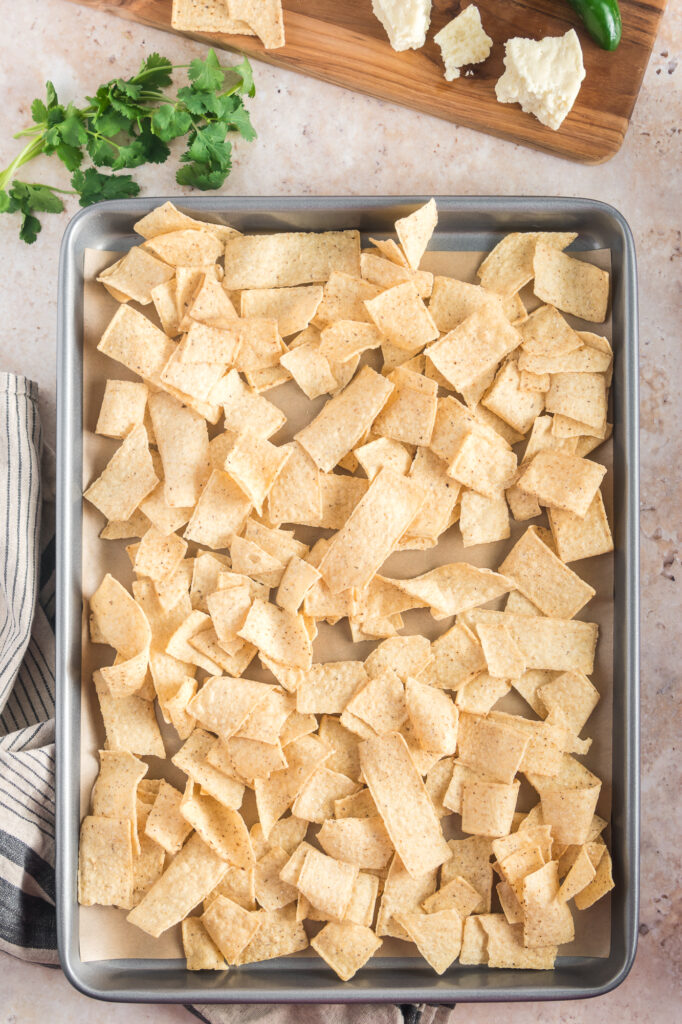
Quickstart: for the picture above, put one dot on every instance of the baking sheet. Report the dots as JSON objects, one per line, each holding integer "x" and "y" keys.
{"x": 103, "y": 931}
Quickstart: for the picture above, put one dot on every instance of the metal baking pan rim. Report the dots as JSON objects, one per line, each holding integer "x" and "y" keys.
{"x": 143, "y": 981}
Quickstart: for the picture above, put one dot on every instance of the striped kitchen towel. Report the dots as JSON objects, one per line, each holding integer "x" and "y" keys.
{"x": 27, "y": 915}
{"x": 27, "y": 663}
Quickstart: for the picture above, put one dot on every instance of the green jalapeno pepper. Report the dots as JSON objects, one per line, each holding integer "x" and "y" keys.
{"x": 602, "y": 20}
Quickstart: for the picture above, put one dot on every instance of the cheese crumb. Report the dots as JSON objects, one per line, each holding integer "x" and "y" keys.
{"x": 406, "y": 21}
{"x": 542, "y": 75}
{"x": 463, "y": 41}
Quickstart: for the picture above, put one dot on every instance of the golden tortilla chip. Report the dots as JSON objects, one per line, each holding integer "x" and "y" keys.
{"x": 105, "y": 862}
{"x": 506, "y": 949}
{"x": 289, "y": 258}
{"x": 510, "y": 264}
{"x": 599, "y": 886}
{"x": 358, "y": 550}
{"x": 127, "y": 478}
{"x": 188, "y": 879}
{"x": 474, "y": 347}
{"x": 363, "y": 842}
{"x": 402, "y": 894}
{"x": 344, "y": 419}
{"x": 483, "y": 520}
{"x": 451, "y": 589}
{"x": 437, "y": 935}
{"x": 402, "y": 318}
{"x": 571, "y": 285}
{"x": 327, "y": 883}
{"x": 403, "y": 803}
{"x": 507, "y": 398}
{"x": 200, "y": 951}
{"x": 123, "y": 408}
{"x": 577, "y": 538}
{"x": 129, "y": 722}
{"x": 544, "y": 579}
{"x": 488, "y": 807}
{"x": 198, "y": 16}
{"x": 562, "y": 481}
{"x": 165, "y": 823}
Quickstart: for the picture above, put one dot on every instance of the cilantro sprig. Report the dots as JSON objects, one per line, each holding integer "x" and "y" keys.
{"x": 127, "y": 123}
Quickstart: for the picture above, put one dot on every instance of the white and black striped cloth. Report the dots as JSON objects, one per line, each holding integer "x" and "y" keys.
{"x": 27, "y": 702}
{"x": 27, "y": 912}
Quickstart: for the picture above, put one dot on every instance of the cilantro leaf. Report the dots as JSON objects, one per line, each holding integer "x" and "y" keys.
{"x": 72, "y": 130}
{"x": 201, "y": 176}
{"x": 38, "y": 111}
{"x": 209, "y": 146}
{"x": 71, "y": 156}
{"x": 207, "y": 74}
{"x": 28, "y": 196}
{"x": 30, "y": 228}
{"x": 156, "y": 151}
{"x": 93, "y": 186}
{"x": 169, "y": 122}
{"x": 156, "y": 72}
{"x": 4, "y": 201}
{"x": 131, "y": 155}
{"x": 245, "y": 71}
{"x": 110, "y": 122}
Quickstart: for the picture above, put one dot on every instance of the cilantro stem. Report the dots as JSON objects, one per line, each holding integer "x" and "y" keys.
{"x": 28, "y": 152}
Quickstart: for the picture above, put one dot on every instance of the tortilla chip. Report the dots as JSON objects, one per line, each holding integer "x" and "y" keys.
{"x": 358, "y": 550}
{"x": 105, "y": 862}
{"x": 344, "y": 419}
{"x": 573, "y": 694}
{"x": 200, "y": 951}
{"x": 544, "y": 579}
{"x": 577, "y": 538}
{"x": 410, "y": 413}
{"x": 571, "y": 285}
{"x": 134, "y": 341}
{"x": 346, "y": 339}
{"x": 547, "y": 919}
{"x": 382, "y": 274}
{"x": 490, "y": 747}
{"x": 402, "y": 894}
{"x": 221, "y": 828}
{"x": 457, "y": 895}
{"x": 502, "y": 654}
{"x": 191, "y": 759}
{"x": 555, "y": 644}
{"x": 434, "y": 717}
{"x": 402, "y": 318}
{"x": 123, "y": 408}
{"x": 483, "y": 520}
{"x": 315, "y": 801}
{"x": 114, "y": 794}
{"x": 403, "y": 803}
{"x": 127, "y": 478}
{"x": 510, "y": 264}
{"x": 437, "y": 935}
{"x": 165, "y": 824}
{"x": 481, "y": 694}
{"x": 488, "y": 807}
{"x": 380, "y": 703}
{"x": 188, "y": 879}
{"x": 474, "y": 348}
{"x": 562, "y": 481}
{"x": 198, "y": 16}
{"x": 451, "y": 589}
{"x": 327, "y": 883}
{"x": 363, "y": 842}
{"x": 292, "y": 308}
{"x": 506, "y": 949}
{"x": 474, "y": 943}
{"x": 599, "y": 886}
{"x": 508, "y": 400}
{"x": 279, "y": 634}
{"x": 289, "y": 258}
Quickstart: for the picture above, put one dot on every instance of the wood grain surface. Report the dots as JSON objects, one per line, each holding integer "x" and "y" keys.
{"x": 341, "y": 41}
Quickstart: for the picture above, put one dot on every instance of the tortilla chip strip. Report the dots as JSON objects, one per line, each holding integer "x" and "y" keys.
{"x": 403, "y": 803}
{"x": 375, "y": 526}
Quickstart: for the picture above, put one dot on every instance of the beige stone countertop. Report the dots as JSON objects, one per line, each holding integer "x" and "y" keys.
{"x": 318, "y": 139}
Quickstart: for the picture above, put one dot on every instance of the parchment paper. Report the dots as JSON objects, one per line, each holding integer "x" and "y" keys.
{"x": 104, "y": 932}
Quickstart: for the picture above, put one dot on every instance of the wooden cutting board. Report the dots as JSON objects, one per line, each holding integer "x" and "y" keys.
{"x": 341, "y": 41}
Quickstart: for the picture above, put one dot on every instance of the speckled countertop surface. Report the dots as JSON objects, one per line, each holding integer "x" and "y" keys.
{"x": 317, "y": 139}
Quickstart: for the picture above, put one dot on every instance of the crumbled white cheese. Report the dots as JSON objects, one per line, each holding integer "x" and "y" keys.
{"x": 406, "y": 21}
{"x": 463, "y": 41}
{"x": 543, "y": 75}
